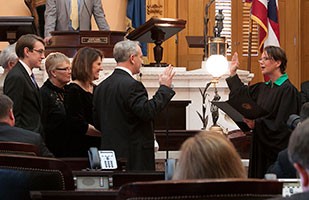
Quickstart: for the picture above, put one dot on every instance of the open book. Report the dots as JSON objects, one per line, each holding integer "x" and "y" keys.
{"x": 239, "y": 108}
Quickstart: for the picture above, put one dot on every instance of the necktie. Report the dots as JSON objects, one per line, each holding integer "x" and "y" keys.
{"x": 33, "y": 80}
{"x": 74, "y": 14}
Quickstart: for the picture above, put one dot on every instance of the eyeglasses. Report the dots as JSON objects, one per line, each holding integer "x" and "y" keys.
{"x": 264, "y": 59}
{"x": 64, "y": 69}
{"x": 40, "y": 51}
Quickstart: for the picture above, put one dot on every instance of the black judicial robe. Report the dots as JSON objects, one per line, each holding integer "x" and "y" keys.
{"x": 271, "y": 133}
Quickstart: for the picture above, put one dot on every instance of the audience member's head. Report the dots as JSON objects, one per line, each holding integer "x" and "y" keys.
{"x": 277, "y": 54}
{"x": 8, "y": 57}
{"x": 58, "y": 68}
{"x": 128, "y": 54}
{"x": 31, "y": 50}
{"x": 6, "y": 110}
{"x": 87, "y": 64}
{"x": 208, "y": 155}
{"x": 304, "y": 112}
{"x": 298, "y": 150}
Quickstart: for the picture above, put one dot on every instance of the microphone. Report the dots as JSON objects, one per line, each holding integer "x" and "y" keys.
{"x": 140, "y": 76}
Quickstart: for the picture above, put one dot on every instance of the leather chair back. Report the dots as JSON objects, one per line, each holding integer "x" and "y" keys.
{"x": 18, "y": 148}
{"x": 21, "y": 174}
{"x": 210, "y": 189}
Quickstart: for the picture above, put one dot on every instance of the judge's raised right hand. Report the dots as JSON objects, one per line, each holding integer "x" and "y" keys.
{"x": 166, "y": 77}
{"x": 234, "y": 64}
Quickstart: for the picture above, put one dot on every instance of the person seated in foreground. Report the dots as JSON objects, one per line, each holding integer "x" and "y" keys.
{"x": 298, "y": 151}
{"x": 14, "y": 134}
{"x": 208, "y": 154}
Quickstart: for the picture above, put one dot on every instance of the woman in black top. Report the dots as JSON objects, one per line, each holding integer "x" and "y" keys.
{"x": 58, "y": 69}
{"x": 86, "y": 66}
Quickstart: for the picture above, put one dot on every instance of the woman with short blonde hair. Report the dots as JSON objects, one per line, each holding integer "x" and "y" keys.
{"x": 54, "y": 117}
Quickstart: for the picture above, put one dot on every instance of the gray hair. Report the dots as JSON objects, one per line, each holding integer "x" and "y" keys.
{"x": 7, "y": 55}
{"x": 5, "y": 105}
{"x": 298, "y": 148}
{"x": 124, "y": 49}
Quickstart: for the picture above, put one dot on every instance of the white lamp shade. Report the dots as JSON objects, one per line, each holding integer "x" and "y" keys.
{"x": 217, "y": 65}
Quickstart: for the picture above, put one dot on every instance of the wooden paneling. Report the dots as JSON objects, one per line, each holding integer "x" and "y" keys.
{"x": 289, "y": 14}
{"x": 304, "y": 40}
{"x": 193, "y": 12}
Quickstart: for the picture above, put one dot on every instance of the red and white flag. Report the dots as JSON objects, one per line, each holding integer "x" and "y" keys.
{"x": 265, "y": 13}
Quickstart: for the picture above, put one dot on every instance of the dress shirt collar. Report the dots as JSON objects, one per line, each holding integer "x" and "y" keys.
{"x": 27, "y": 68}
{"x": 125, "y": 69}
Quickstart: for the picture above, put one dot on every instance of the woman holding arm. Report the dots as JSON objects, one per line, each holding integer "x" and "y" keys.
{"x": 86, "y": 66}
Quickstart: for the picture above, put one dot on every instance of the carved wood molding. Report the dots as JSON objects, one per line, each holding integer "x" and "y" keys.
{"x": 154, "y": 8}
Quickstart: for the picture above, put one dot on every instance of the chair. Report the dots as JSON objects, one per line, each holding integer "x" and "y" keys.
{"x": 75, "y": 195}
{"x": 21, "y": 174}
{"x": 210, "y": 189}
{"x": 18, "y": 148}
{"x": 37, "y": 9}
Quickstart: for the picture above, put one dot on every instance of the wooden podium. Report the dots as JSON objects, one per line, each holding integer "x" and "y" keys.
{"x": 12, "y": 27}
{"x": 68, "y": 42}
{"x": 157, "y": 30}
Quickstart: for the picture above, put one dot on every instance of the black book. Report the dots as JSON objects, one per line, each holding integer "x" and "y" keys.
{"x": 239, "y": 108}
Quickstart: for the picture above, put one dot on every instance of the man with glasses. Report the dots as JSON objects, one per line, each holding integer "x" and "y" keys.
{"x": 20, "y": 84}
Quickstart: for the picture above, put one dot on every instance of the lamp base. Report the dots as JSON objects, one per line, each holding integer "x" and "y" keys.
{"x": 216, "y": 128}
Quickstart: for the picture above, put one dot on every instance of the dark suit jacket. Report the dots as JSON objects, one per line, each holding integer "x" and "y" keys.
{"x": 304, "y": 91}
{"x": 124, "y": 115}
{"x": 283, "y": 168}
{"x": 26, "y": 97}
{"x": 15, "y": 134}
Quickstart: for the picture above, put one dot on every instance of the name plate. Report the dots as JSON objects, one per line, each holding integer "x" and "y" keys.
{"x": 94, "y": 40}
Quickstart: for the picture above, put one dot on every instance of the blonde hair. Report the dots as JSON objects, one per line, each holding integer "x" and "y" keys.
{"x": 209, "y": 155}
{"x": 54, "y": 60}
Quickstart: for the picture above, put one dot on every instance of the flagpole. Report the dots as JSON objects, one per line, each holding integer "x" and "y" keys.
{"x": 249, "y": 43}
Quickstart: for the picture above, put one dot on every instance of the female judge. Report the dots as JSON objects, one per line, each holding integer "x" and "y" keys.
{"x": 270, "y": 133}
